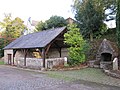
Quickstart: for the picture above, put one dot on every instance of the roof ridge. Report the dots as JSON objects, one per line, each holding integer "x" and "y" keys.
{"x": 45, "y": 30}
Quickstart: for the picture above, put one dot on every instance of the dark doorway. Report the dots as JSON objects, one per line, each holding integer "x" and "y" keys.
{"x": 9, "y": 59}
{"x": 106, "y": 57}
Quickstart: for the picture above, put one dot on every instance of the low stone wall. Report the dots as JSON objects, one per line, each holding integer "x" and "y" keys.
{"x": 94, "y": 64}
{"x": 54, "y": 62}
{"x": 35, "y": 63}
{"x": 112, "y": 73}
{"x": 30, "y": 63}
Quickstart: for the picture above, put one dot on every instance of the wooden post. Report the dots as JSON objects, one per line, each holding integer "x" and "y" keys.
{"x": 25, "y": 59}
{"x": 60, "y": 51}
{"x": 25, "y": 55}
{"x": 40, "y": 52}
{"x": 43, "y": 57}
{"x": 14, "y": 52}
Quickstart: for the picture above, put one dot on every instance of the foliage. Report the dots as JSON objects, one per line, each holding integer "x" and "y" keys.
{"x": 77, "y": 45}
{"x": 53, "y": 22}
{"x": 1, "y": 62}
{"x": 41, "y": 26}
{"x": 118, "y": 23}
{"x": 11, "y": 29}
{"x": 90, "y": 15}
{"x": 56, "y": 21}
{"x": 2, "y": 46}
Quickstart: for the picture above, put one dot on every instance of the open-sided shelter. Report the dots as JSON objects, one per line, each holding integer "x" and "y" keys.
{"x": 44, "y": 44}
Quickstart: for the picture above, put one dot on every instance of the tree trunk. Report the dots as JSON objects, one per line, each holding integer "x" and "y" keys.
{"x": 91, "y": 36}
{"x": 118, "y": 23}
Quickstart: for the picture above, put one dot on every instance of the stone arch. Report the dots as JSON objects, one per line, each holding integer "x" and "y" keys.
{"x": 107, "y": 57}
{"x": 105, "y": 54}
{"x": 105, "y": 51}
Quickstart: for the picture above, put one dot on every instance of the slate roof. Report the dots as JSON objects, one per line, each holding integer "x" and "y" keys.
{"x": 35, "y": 40}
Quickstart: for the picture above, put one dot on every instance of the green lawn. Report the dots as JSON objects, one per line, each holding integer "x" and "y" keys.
{"x": 1, "y": 62}
{"x": 87, "y": 74}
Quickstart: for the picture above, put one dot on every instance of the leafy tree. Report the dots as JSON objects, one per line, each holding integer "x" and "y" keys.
{"x": 12, "y": 28}
{"x": 77, "y": 45}
{"x": 56, "y": 21}
{"x": 53, "y": 22}
{"x": 118, "y": 23}
{"x": 90, "y": 15}
{"x": 1, "y": 47}
{"x": 41, "y": 26}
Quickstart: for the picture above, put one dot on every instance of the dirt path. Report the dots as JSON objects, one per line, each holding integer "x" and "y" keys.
{"x": 16, "y": 79}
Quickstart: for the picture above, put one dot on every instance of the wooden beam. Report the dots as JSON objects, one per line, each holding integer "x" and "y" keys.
{"x": 25, "y": 55}
{"x": 14, "y": 52}
{"x": 60, "y": 51}
{"x": 47, "y": 48}
{"x": 43, "y": 57}
{"x": 60, "y": 39}
{"x": 40, "y": 51}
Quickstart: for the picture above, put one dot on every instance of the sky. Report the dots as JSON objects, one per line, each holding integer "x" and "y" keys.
{"x": 36, "y": 9}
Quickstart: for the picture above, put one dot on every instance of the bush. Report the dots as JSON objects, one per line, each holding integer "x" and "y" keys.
{"x": 78, "y": 45}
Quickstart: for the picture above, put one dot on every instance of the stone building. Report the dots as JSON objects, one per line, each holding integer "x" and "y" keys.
{"x": 106, "y": 53}
{"x": 70, "y": 20}
{"x": 37, "y": 49}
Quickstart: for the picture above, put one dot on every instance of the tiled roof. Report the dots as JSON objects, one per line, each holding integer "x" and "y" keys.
{"x": 35, "y": 40}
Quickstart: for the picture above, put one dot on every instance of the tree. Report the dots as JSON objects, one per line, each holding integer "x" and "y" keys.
{"x": 41, "y": 26}
{"x": 1, "y": 47}
{"x": 90, "y": 14}
{"x": 77, "y": 45}
{"x": 12, "y": 28}
{"x": 53, "y": 22}
{"x": 56, "y": 21}
{"x": 118, "y": 23}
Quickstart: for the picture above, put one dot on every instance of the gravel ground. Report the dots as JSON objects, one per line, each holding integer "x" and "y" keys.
{"x": 18, "y": 79}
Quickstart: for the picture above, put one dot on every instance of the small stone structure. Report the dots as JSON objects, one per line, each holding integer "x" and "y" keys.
{"x": 93, "y": 63}
{"x": 115, "y": 64}
{"x": 65, "y": 61}
{"x": 105, "y": 54}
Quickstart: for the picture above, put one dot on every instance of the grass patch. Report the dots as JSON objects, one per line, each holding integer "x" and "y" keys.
{"x": 86, "y": 74}
{"x": 1, "y": 62}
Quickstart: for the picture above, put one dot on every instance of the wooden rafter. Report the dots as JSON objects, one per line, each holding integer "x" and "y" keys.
{"x": 47, "y": 48}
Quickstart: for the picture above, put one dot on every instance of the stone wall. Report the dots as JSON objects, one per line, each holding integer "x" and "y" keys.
{"x": 30, "y": 63}
{"x": 54, "y": 62}
{"x": 6, "y": 52}
{"x": 35, "y": 63}
{"x": 20, "y": 54}
{"x": 53, "y": 53}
